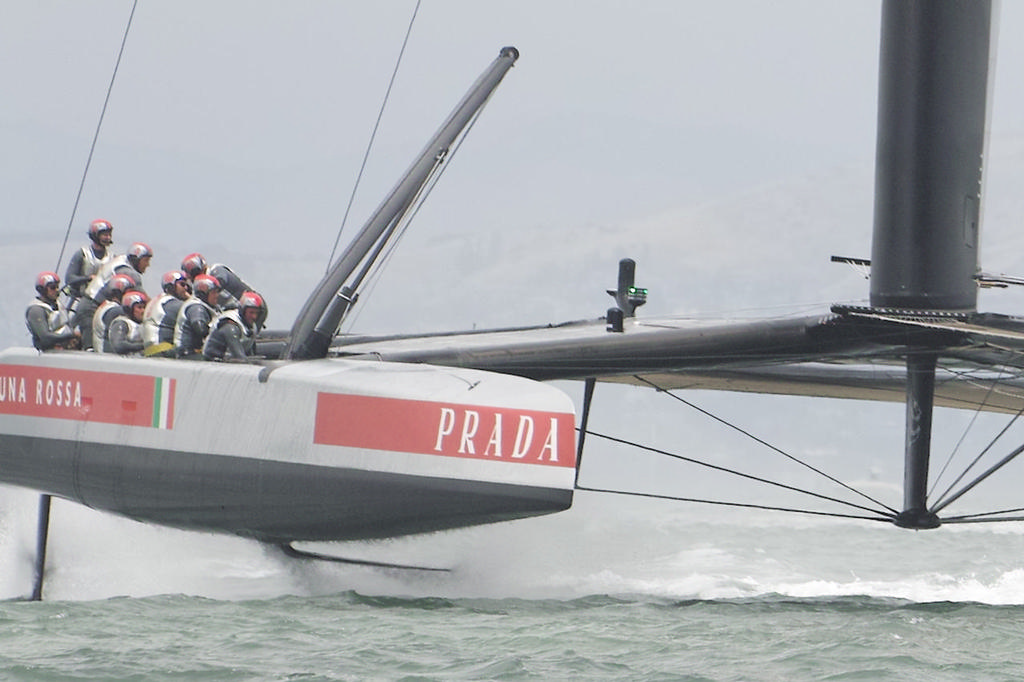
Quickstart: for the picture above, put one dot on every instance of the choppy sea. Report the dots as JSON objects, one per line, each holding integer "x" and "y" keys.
{"x": 614, "y": 589}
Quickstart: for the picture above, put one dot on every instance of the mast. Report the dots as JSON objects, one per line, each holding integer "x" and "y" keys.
{"x": 932, "y": 101}
{"x": 932, "y": 97}
{"x": 323, "y": 312}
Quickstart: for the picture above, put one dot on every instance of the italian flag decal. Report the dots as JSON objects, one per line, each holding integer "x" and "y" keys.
{"x": 163, "y": 403}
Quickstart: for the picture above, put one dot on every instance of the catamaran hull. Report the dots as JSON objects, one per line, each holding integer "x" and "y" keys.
{"x": 317, "y": 450}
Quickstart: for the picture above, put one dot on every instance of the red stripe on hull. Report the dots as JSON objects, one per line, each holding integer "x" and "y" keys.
{"x": 446, "y": 429}
{"x": 54, "y": 393}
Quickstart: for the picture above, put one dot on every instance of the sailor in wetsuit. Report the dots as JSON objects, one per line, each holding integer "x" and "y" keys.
{"x": 233, "y": 332}
{"x": 88, "y": 260}
{"x": 124, "y": 336}
{"x": 131, "y": 264}
{"x": 46, "y": 322}
{"x": 193, "y": 322}
{"x": 108, "y": 310}
{"x": 232, "y": 286}
{"x": 162, "y": 314}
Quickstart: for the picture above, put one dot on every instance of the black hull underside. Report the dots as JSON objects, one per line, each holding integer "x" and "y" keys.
{"x": 268, "y": 500}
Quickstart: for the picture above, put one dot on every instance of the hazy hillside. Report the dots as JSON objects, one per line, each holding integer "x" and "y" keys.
{"x": 758, "y": 252}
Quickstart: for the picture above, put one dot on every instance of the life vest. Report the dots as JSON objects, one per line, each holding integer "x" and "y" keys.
{"x": 101, "y": 319}
{"x": 160, "y": 320}
{"x": 134, "y": 332}
{"x": 184, "y": 335}
{"x": 91, "y": 263}
{"x": 117, "y": 265}
{"x": 56, "y": 320}
{"x": 215, "y": 345}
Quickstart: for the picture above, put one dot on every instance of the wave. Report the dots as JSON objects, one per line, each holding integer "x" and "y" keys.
{"x": 600, "y": 547}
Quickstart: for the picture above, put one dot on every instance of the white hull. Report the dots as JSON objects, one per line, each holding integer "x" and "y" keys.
{"x": 318, "y": 450}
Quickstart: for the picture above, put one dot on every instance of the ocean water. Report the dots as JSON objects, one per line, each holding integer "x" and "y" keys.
{"x": 614, "y": 589}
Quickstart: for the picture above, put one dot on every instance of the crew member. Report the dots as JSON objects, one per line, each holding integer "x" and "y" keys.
{"x": 194, "y": 316}
{"x": 194, "y": 264}
{"x": 108, "y": 310}
{"x": 88, "y": 260}
{"x": 233, "y": 332}
{"x": 162, "y": 314}
{"x": 132, "y": 264}
{"x": 46, "y": 321}
{"x": 232, "y": 286}
{"x": 124, "y": 336}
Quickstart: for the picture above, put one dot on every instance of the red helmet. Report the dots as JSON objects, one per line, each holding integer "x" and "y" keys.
{"x": 139, "y": 250}
{"x": 171, "y": 278}
{"x": 194, "y": 264}
{"x": 47, "y": 279}
{"x": 119, "y": 284}
{"x": 131, "y": 299}
{"x": 204, "y": 284}
{"x": 98, "y": 226}
{"x": 250, "y": 299}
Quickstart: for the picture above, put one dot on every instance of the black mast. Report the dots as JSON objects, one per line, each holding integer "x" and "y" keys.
{"x": 932, "y": 96}
{"x": 932, "y": 99}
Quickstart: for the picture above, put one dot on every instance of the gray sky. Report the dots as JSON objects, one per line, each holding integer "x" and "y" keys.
{"x": 237, "y": 128}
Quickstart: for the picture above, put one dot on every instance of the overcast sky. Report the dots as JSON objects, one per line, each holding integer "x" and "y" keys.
{"x": 237, "y": 128}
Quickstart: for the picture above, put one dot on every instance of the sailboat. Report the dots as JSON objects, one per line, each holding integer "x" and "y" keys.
{"x": 326, "y": 436}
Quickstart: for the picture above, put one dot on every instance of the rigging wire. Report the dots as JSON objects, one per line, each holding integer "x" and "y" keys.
{"x": 745, "y": 505}
{"x": 985, "y": 517}
{"x": 971, "y": 519}
{"x": 964, "y": 376}
{"x": 944, "y": 500}
{"x": 991, "y": 470}
{"x": 95, "y": 137}
{"x": 391, "y": 240}
{"x": 766, "y": 444}
{"x": 442, "y": 164}
{"x": 735, "y": 472}
{"x": 956, "y": 446}
{"x": 373, "y": 136}
{"x": 387, "y": 243}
